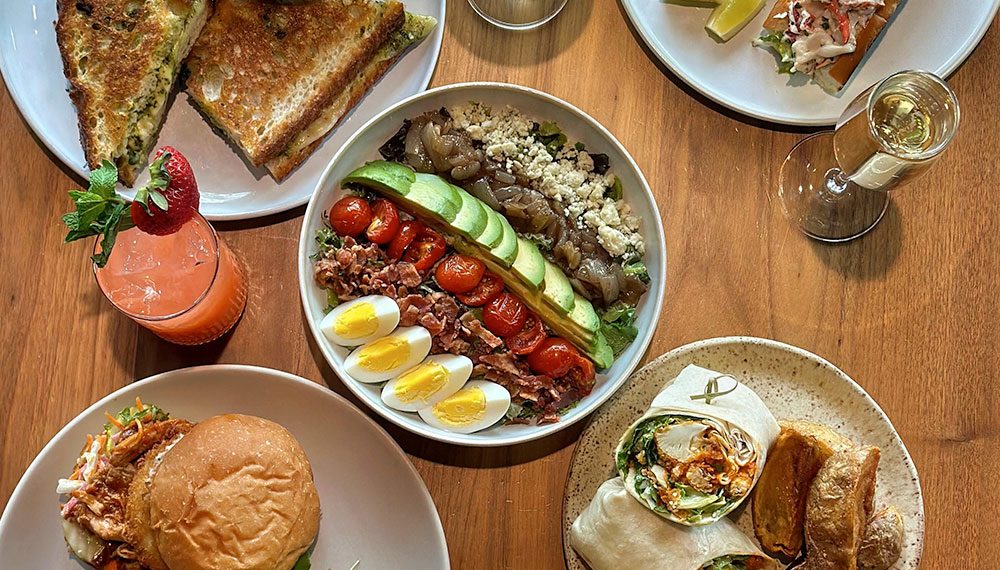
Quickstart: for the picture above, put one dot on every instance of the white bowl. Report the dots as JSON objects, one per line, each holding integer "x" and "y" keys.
{"x": 578, "y": 126}
{"x": 384, "y": 526}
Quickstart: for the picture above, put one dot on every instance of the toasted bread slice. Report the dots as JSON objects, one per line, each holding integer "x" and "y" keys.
{"x": 779, "y": 503}
{"x": 263, "y": 72}
{"x": 121, "y": 58}
{"x": 415, "y": 29}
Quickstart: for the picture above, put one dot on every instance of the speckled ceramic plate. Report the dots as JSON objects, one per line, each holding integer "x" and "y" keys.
{"x": 793, "y": 383}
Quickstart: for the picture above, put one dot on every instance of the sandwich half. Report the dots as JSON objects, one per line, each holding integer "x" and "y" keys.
{"x": 277, "y": 78}
{"x": 825, "y": 39}
{"x": 121, "y": 58}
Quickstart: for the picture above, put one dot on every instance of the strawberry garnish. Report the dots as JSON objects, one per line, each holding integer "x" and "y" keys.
{"x": 171, "y": 197}
{"x": 160, "y": 208}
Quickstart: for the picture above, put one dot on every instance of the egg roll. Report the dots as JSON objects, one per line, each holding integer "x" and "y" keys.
{"x": 616, "y": 532}
{"x": 697, "y": 452}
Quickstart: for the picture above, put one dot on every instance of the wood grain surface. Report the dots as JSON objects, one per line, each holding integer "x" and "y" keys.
{"x": 910, "y": 311}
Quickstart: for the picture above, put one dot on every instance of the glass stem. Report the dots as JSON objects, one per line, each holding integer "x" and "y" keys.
{"x": 836, "y": 183}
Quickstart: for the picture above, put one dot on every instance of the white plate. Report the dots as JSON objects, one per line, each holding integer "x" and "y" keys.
{"x": 230, "y": 190}
{"x": 794, "y": 383}
{"x": 936, "y": 36}
{"x": 579, "y": 126}
{"x": 364, "y": 517}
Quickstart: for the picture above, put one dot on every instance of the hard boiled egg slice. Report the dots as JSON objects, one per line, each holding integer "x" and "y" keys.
{"x": 361, "y": 320}
{"x": 476, "y": 406}
{"x": 427, "y": 383}
{"x": 385, "y": 358}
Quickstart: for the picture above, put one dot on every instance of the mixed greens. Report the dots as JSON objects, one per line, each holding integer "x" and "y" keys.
{"x": 777, "y": 42}
{"x": 618, "y": 326}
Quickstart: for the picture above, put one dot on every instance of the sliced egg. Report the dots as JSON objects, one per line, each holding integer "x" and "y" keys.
{"x": 476, "y": 406}
{"x": 384, "y": 358}
{"x": 427, "y": 383}
{"x": 360, "y": 321}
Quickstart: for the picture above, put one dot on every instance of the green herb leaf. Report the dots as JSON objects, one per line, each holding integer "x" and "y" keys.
{"x": 548, "y": 129}
{"x": 303, "y": 562}
{"x": 89, "y": 206}
{"x": 615, "y": 192}
{"x": 104, "y": 180}
{"x": 111, "y": 228}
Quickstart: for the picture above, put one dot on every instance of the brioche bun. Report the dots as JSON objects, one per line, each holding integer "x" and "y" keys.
{"x": 235, "y": 493}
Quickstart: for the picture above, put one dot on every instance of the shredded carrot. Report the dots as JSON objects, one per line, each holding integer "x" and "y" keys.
{"x": 139, "y": 423}
{"x": 138, "y": 404}
{"x": 101, "y": 441}
{"x": 86, "y": 446}
{"x": 115, "y": 421}
{"x": 76, "y": 474}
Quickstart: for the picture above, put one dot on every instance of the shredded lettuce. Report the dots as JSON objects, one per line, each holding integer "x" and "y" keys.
{"x": 732, "y": 562}
{"x": 637, "y": 269}
{"x": 303, "y": 562}
{"x": 777, "y": 42}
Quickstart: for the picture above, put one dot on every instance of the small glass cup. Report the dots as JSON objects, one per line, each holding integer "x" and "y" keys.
{"x": 187, "y": 287}
{"x": 517, "y": 14}
{"x": 834, "y": 185}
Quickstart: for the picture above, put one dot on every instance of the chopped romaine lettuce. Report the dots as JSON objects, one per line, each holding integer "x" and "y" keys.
{"x": 618, "y": 327}
{"x": 780, "y": 45}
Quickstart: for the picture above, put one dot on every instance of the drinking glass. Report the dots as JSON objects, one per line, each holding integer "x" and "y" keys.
{"x": 517, "y": 14}
{"x": 834, "y": 185}
{"x": 186, "y": 287}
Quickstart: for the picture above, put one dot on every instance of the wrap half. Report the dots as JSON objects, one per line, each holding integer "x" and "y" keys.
{"x": 616, "y": 532}
{"x": 699, "y": 450}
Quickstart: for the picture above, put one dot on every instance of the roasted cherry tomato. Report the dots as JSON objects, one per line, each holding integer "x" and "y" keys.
{"x": 407, "y": 233}
{"x": 385, "y": 222}
{"x": 553, "y": 358}
{"x": 459, "y": 273}
{"x": 350, "y": 216}
{"x": 426, "y": 249}
{"x": 488, "y": 287}
{"x": 530, "y": 336}
{"x": 504, "y": 315}
{"x": 583, "y": 374}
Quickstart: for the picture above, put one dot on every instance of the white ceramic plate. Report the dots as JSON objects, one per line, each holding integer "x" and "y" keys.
{"x": 231, "y": 189}
{"x": 364, "y": 518}
{"x": 794, "y": 383}
{"x": 578, "y": 126}
{"x": 934, "y": 36}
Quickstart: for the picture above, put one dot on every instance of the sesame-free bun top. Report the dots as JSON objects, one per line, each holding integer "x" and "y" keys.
{"x": 235, "y": 493}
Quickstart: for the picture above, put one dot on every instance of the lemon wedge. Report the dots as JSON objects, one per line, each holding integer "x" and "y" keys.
{"x": 730, "y": 16}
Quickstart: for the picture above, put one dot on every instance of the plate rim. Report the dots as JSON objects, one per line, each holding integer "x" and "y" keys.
{"x": 167, "y": 376}
{"x": 771, "y": 343}
{"x": 945, "y": 70}
{"x": 81, "y": 171}
{"x": 305, "y": 279}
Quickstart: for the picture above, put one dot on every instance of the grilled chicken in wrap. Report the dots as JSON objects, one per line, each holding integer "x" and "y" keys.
{"x": 615, "y": 532}
{"x": 699, "y": 450}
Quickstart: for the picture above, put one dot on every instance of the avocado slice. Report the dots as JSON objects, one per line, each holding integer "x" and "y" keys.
{"x": 493, "y": 232}
{"x": 529, "y": 264}
{"x": 583, "y": 314}
{"x": 472, "y": 218}
{"x": 557, "y": 290}
{"x": 506, "y": 251}
{"x": 388, "y": 177}
{"x": 602, "y": 355}
{"x": 431, "y": 195}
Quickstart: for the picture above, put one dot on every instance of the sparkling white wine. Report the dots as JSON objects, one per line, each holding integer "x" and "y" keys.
{"x": 896, "y": 135}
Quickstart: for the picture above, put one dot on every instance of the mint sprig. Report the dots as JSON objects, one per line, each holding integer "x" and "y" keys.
{"x": 99, "y": 211}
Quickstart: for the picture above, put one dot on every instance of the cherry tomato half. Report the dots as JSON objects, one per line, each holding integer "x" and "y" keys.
{"x": 554, "y": 357}
{"x": 504, "y": 315}
{"x": 426, "y": 249}
{"x": 407, "y": 233}
{"x": 530, "y": 336}
{"x": 488, "y": 287}
{"x": 582, "y": 374}
{"x": 350, "y": 216}
{"x": 459, "y": 273}
{"x": 385, "y": 222}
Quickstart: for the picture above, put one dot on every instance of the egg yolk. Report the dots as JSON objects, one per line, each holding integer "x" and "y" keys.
{"x": 384, "y": 354}
{"x": 357, "y": 321}
{"x": 421, "y": 382}
{"x": 468, "y": 405}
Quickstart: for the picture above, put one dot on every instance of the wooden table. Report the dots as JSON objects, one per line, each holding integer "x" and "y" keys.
{"x": 910, "y": 311}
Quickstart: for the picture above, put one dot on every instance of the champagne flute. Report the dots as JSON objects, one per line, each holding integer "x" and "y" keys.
{"x": 517, "y": 14}
{"x": 834, "y": 185}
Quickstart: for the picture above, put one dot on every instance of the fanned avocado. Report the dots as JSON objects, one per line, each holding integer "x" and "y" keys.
{"x": 433, "y": 196}
{"x": 529, "y": 264}
{"x": 583, "y": 314}
{"x": 557, "y": 290}
{"x": 493, "y": 232}
{"x": 385, "y": 176}
{"x": 506, "y": 251}
{"x": 472, "y": 218}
